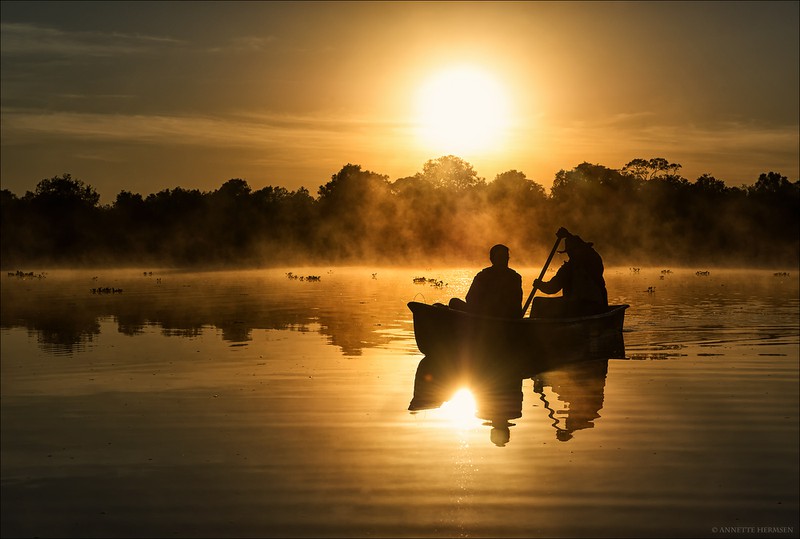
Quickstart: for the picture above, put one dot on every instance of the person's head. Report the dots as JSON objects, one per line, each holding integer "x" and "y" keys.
{"x": 574, "y": 245}
{"x": 500, "y": 434}
{"x": 498, "y": 255}
{"x": 563, "y": 435}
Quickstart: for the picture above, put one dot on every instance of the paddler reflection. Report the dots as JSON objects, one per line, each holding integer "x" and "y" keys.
{"x": 573, "y": 395}
{"x": 499, "y": 400}
{"x": 497, "y": 392}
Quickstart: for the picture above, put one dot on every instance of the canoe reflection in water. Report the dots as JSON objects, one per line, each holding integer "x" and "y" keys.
{"x": 571, "y": 388}
{"x": 497, "y": 392}
{"x": 492, "y": 357}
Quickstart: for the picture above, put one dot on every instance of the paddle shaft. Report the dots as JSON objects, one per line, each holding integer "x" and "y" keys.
{"x": 541, "y": 276}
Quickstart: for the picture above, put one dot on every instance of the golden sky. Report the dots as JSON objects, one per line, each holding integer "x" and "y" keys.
{"x": 148, "y": 96}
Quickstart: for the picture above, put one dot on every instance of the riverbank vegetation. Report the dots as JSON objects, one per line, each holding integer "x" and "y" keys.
{"x": 644, "y": 213}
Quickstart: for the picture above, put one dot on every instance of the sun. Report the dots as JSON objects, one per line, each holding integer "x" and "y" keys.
{"x": 462, "y": 110}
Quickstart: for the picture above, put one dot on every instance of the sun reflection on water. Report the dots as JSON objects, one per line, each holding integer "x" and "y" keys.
{"x": 460, "y": 410}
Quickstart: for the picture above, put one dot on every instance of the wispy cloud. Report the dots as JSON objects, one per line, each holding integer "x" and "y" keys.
{"x": 245, "y": 44}
{"x": 252, "y": 131}
{"x": 23, "y": 39}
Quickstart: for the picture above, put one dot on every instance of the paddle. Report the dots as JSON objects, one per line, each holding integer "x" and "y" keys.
{"x": 541, "y": 275}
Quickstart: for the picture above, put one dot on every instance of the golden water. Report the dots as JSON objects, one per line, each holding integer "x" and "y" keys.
{"x": 246, "y": 403}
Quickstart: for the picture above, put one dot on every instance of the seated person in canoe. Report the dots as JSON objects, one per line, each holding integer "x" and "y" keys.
{"x": 496, "y": 290}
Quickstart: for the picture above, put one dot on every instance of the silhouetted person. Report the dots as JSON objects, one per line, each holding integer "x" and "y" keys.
{"x": 496, "y": 290}
{"x": 580, "y": 279}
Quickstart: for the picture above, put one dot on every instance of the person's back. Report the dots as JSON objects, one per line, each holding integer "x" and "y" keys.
{"x": 496, "y": 290}
{"x": 586, "y": 284}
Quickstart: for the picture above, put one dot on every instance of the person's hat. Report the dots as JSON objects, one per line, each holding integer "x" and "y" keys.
{"x": 571, "y": 243}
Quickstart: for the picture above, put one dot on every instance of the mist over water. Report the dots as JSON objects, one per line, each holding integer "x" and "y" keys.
{"x": 255, "y": 403}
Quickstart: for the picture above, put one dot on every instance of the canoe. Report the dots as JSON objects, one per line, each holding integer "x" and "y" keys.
{"x": 541, "y": 339}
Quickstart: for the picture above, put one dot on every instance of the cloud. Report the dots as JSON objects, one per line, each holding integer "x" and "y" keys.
{"x": 22, "y": 39}
{"x": 245, "y": 44}
{"x": 251, "y": 131}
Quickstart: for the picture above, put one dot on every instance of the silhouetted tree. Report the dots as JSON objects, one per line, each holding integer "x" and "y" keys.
{"x": 644, "y": 213}
{"x": 590, "y": 183}
{"x": 176, "y": 218}
{"x": 519, "y": 207}
{"x": 128, "y": 228}
{"x": 772, "y": 208}
{"x": 452, "y": 173}
{"x": 65, "y": 190}
{"x": 513, "y": 185}
{"x": 354, "y": 205}
{"x": 64, "y": 217}
{"x": 286, "y": 221}
{"x": 708, "y": 186}
{"x": 649, "y": 169}
{"x": 773, "y": 184}
{"x": 230, "y": 219}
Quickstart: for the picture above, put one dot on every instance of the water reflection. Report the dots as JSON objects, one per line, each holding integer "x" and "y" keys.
{"x": 579, "y": 388}
{"x": 499, "y": 401}
{"x": 66, "y": 316}
{"x": 570, "y": 386}
{"x": 356, "y": 310}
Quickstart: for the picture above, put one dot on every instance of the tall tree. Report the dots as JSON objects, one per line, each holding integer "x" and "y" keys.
{"x": 65, "y": 216}
{"x": 451, "y": 173}
{"x": 354, "y": 211}
{"x": 649, "y": 169}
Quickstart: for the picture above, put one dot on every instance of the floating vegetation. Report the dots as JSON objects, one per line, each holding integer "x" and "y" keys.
{"x": 106, "y": 290}
{"x": 147, "y": 274}
{"x": 26, "y": 275}
{"x": 781, "y": 274}
{"x": 651, "y": 289}
{"x": 433, "y": 282}
{"x": 666, "y": 271}
{"x": 291, "y": 275}
{"x": 635, "y": 270}
{"x": 702, "y": 273}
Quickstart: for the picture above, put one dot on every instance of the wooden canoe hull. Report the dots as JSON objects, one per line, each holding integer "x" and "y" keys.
{"x": 444, "y": 332}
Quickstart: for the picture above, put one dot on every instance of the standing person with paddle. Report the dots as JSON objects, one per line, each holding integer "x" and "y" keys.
{"x": 580, "y": 279}
{"x": 496, "y": 290}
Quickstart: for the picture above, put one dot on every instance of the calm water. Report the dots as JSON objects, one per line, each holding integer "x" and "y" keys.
{"x": 247, "y": 403}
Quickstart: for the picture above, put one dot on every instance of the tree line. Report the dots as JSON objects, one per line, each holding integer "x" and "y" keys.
{"x": 645, "y": 213}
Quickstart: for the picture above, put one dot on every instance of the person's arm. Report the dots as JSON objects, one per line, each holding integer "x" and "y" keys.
{"x": 554, "y": 285}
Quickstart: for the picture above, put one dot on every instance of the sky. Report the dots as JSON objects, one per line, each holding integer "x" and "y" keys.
{"x": 146, "y": 96}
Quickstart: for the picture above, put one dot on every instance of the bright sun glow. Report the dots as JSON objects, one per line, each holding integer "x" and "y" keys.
{"x": 462, "y": 110}
{"x": 460, "y": 409}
